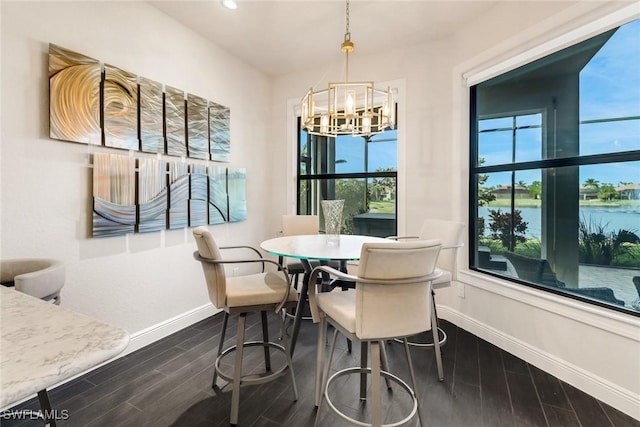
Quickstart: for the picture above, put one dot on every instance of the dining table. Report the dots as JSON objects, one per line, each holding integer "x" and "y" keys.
{"x": 43, "y": 344}
{"x": 321, "y": 248}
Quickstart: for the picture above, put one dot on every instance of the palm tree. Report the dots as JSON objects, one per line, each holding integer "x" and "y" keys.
{"x": 591, "y": 183}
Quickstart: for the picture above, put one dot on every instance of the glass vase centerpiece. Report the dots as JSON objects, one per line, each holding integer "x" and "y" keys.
{"x": 332, "y": 211}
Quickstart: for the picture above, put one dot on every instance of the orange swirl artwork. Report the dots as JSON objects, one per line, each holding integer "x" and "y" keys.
{"x": 74, "y": 96}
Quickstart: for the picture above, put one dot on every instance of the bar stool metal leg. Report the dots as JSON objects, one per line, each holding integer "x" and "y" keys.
{"x": 265, "y": 338}
{"x": 436, "y": 346}
{"x": 376, "y": 397}
{"x": 237, "y": 369}
{"x": 225, "y": 320}
{"x": 413, "y": 381}
{"x": 325, "y": 376}
{"x": 322, "y": 337}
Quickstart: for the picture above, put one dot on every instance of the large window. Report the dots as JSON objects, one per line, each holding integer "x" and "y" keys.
{"x": 360, "y": 170}
{"x": 555, "y": 177}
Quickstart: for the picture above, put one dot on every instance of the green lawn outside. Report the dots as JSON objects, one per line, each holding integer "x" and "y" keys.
{"x": 383, "y": 206}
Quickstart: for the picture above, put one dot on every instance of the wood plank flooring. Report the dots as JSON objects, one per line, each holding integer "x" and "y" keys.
{"x": 168, "y": 383}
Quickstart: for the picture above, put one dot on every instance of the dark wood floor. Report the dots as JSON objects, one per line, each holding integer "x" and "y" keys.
{"x": 168, "y": 384}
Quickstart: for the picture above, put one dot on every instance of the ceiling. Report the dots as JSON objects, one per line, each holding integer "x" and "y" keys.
{"x": 280, "y": 37}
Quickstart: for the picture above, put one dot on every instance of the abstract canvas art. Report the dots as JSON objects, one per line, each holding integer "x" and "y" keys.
{"x": 120, "y": 99}
{"x": 174, "y": 110}
{"x": 219, "y": 140}
{"x": 197, "y": 127}
{"x": 101, "y": 104}
{"x": 74, "y": 96}
{"x": 178, "y": 195}
{"x": 237, "y": 194}
{"x": 218, "y": 201}
{"x": 114, "y": 205}
{"x": 151, "y": 116}
{"x": 197, "y": 195}
{"x": 152, "y": 195}
{"x": 170, "y": 195}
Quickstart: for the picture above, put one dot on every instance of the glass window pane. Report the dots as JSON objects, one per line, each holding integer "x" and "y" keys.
{"x": 349, "y": 156}
{"x": 382, "y": 155}
{"x": 610, "y": 81}
{"x": 495, "y": 147}
{"x": 370, "y": 202}
{"x": 528, "y": 144}
{"x": 608, "y": 137}
{"x": 495, "y": 123}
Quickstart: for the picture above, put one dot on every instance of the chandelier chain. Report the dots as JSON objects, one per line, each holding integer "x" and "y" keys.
{"x": 347, "y": 16}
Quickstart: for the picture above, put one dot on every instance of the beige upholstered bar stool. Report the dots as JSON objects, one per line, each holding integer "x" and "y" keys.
{"x": 450, "y": 233}
{"x": 391, "y": 299}
{"x": 260, "y": 292}
{"x": 296, "y": 225}
{"x": 39, "y": 277}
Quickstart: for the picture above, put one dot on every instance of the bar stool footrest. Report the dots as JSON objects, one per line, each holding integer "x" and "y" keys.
{"x": 442, "y": 341}
{"x": 252, "y": 378}
{"x": 399, "y": 381}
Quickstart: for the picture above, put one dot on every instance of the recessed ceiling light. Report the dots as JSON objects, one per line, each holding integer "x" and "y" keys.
{"x": 230, "y": 4}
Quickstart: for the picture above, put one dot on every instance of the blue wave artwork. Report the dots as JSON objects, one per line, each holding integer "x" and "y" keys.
{"x": 150, "y": 194}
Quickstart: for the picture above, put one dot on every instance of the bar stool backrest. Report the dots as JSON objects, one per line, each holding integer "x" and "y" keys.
{"x": 295, "y": 225}
{"x": 450, "y": 234}
{"x": 214, "y": 273}
{"x": 392, "y": 294}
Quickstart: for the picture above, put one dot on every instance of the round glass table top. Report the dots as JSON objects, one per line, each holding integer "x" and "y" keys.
{"x": 319, "y": 246}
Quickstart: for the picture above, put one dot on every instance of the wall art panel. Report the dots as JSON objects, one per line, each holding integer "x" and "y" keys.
{"x": 152, "y": 195}
{"x": 178, "y": 195}
{"x": 218, "y": 200}
{"x": 219, "y": 136}
{"x": 197, "y": 127}
{"x": 114, "y": 206}
{"x": 151, "y": 116}
{"x": 169, "y": 195}
{"x": 197, "y": 195}
{"x": 237, "y": 190}
{"x": 105, "y": 105}
{"x": 74, "y": 96}
{"x": 120, "y": 100}
{"x": 174, "y": 108}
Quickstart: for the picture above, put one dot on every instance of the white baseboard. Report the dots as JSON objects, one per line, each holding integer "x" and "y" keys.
{"x": 163, "y": 329}
{"x": 609, "y": 393}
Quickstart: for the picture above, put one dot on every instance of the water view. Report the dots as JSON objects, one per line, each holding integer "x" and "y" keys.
{"x": 613, "y": 218}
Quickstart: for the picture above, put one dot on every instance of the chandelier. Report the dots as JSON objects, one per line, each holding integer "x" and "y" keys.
{"x": 348, "y": 108}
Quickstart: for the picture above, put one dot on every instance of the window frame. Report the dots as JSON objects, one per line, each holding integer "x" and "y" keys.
{"x": 476, "y": 170}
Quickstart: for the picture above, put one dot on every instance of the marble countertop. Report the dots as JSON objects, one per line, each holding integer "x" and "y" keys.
{"x": 43, "y": 344}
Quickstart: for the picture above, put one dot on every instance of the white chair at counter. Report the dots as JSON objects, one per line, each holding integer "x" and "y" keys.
{"x": 296, "y": 225}
{"x": 450, "y": 234}
{"x": 39, "y": 277}
{"x": 391, "y": 299}
{"x": 252, "y": 293}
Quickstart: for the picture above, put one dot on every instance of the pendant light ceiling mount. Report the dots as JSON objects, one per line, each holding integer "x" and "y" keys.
{"x": 348, "y": 108}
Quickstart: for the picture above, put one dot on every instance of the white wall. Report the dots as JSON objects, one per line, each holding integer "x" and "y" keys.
{"x": 594, "y": 349}
{"x": 148, "y": 284}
